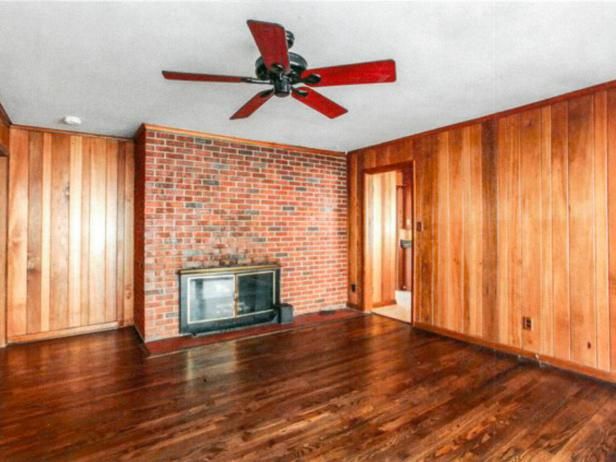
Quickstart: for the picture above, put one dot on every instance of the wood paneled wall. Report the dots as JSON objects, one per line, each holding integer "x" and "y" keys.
{"x": 381, "y": 238}
{"x": 4, "y": 184}
{"x": 519, "y": 219}
{"x": 70, "y": 234}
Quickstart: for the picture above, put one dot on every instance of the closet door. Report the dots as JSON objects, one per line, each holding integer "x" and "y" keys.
{"x": 70, "y": 234}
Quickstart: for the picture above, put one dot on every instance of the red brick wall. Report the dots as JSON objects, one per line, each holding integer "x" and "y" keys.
{"x": 209, "y": 202}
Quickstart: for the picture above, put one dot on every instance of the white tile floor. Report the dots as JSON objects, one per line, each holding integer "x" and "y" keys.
{"x": 398, "y": 312}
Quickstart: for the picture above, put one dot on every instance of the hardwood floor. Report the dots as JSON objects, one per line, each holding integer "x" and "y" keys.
{"x": 367, "y": 388}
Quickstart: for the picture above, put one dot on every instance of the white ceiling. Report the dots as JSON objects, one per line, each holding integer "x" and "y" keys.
{"x": 102, "y": 62}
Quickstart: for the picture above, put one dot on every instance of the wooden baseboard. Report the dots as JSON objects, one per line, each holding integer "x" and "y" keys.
{"x": 385, "y": 303}
{"x": 65, "y": 332}
{"x": 538, "y": 358}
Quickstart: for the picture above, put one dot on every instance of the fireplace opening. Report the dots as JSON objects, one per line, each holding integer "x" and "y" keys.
{"x": 223, "y": 298}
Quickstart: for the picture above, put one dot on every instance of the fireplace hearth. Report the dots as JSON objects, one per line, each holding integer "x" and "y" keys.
{"x": 224, "y": 298}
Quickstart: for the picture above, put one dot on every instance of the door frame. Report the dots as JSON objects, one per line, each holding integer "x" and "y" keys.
{"x": 409, "y": 166}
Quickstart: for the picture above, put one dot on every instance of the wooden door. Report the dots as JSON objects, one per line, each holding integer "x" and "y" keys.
{"x": 70, "y": 234}
{"x": 381, "y": 236}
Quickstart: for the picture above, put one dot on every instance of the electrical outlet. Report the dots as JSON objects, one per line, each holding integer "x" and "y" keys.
{"x": 527, "y": 323}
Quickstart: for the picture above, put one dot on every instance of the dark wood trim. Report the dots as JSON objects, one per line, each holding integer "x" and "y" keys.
{"x": 538, "y": 358}
{"x": 5, "y": 135}
{"x": 234, "y": 139}
{"x": 389, "y": 167}
{"x": 70, "y": 132}
{"x": 4, "y": 116}
{"x": 4, "y": 182}
{"x": 507, "y": 112}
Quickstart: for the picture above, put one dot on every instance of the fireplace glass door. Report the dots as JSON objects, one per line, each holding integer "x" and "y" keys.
{"x": 215, "y": 299}
{"x": 256, "y": 292}
{"x": 210, "y": 298}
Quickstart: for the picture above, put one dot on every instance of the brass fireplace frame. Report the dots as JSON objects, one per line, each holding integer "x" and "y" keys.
{"x": 236, "y": 320}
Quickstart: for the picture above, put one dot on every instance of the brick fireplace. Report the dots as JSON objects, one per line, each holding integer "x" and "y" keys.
{"x": 206, "y": 201}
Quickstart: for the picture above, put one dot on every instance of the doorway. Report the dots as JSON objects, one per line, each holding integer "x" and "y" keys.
{"x": 388, "y": 243}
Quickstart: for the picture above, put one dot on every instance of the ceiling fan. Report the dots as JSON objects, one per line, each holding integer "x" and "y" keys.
{"x": 283, "y": 69}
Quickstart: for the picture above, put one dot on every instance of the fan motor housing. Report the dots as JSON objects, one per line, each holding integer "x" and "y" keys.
{"x": 282, "y": 82}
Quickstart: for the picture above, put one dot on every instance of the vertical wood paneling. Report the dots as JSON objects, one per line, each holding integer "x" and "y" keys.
{"x": 129, "y": 226}
{"x": 474, "y": 223}
{"x": 468, "y": 261}
{"x": 46, "y": 235}
{"x": 560, "y": 230}
{"x": 442, "y": 314}
{"x": 503, "y": 236}
{"x": 489, "y": 178}
{"x": 546, "y": 310}
{"x": 111, "y": 233}
{"x": 582, "y": 232}
{"x": 515, "y": 241}
{"x": 455, "y": 279}
{"x": 4, "y": 184}
{"x": 120, "y": 236}
{"x": 17, "y": 252}
{"x": 74, "y": 264}
{"x": 424, "y": 239}
{"x": 531, "y": 210}
{"x": 519, "y": 219}
{"x": 4, "y": 190}
{"x": 35, "y": 232}
{"x": 60, "y": 191}
{"x": 611, "y": 165}
{"x": 86, "y": 168}
{"x": 601, "y": 289}
{"x": 353, "y": 178}
{"x": 98, "y": 214}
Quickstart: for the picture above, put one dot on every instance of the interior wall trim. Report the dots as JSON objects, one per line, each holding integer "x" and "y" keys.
{"x": 567, "y": 366}
{"x": 496, "y": 115}
{"x": 5, "y": 124}
{"x": 59, "y": 131}
{"x": 234, "y": 139}
{"x": 4, "y": 115}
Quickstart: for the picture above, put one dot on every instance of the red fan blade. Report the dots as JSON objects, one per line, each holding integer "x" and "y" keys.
{"x": 172, "y": 75}
{"x": 253, "y": 104}
{"x": 352, "y": 74}
{"x": 271, "y": 40}
{"x": 318, "y": 102}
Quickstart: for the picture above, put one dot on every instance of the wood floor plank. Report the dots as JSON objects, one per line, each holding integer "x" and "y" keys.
{"x": 365, "y": 388}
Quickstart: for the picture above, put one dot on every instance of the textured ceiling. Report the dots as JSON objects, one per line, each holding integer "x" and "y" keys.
{"x": 102, "y": 62}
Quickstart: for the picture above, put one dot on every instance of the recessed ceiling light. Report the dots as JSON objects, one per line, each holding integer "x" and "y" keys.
{"x": 71, "y": 120}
